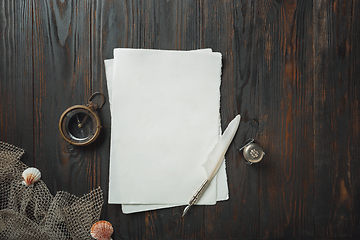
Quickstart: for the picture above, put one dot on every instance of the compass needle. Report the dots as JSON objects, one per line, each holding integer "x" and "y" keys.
{"x": 83, "y": 121}
{"x": 78, "y": 120}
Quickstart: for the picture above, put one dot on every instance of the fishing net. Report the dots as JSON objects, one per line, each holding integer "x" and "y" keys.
{"x": 34, "y": 213}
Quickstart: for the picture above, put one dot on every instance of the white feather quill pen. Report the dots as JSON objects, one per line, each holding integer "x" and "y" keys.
{"x": 215, "y": 159}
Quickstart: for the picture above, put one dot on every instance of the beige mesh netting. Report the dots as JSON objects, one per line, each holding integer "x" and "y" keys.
{"x": 34, "y": 213}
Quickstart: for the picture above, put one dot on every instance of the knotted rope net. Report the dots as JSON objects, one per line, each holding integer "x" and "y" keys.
{"x": 34, "y": 213}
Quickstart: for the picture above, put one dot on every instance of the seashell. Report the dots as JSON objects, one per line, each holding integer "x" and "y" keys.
{"x": 102, "y": 230}
{"x": 30, "y": 176}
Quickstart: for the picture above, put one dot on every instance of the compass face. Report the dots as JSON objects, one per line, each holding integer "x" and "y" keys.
{"x": 79, "y": 125}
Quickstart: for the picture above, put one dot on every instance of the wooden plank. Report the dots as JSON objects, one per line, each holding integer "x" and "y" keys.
{"x": 62, "y": 78}
{"x": 155, "y": 25}
{"x": 337, "y": 114}
{"x": 110, "y": 30}
{"x": 105, "y": 18}
{"x": 16, "y": 77}
{"x": 230, "y": 28}
{"x": 285, "y": 89}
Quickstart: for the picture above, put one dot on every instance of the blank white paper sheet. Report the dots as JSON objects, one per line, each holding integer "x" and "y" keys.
{"x": 165, "y": 121}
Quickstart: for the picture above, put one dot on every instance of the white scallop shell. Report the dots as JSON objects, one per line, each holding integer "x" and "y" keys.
{"x": 102, "y": 230}
{"x": 30, "y": 176}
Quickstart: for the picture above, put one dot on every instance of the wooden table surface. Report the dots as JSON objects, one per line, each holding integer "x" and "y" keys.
{"x": 291, "y": 68}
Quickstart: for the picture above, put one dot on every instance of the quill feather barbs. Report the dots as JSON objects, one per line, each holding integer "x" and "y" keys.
{"x": 216, "y": 156}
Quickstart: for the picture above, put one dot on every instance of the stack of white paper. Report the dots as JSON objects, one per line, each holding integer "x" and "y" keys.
{"x": 165, "y": 121}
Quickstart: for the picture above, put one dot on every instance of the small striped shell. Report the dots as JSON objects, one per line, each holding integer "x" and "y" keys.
{"x": 102, "y": 230}
{"x": 30, "y": 176}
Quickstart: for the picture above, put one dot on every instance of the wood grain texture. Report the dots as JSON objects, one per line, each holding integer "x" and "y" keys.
{"x": 16, "y": 77}
{"x": 290, "y": 68}
{"x": 337, "y": 115}
{"x": 286, "y": 121}
{"x": 237, "y": 40}
{"x": 62, "y": 78}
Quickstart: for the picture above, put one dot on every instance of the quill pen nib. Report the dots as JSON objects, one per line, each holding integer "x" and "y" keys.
{"x": 186, "y": 210}
{"x": 196, "y": 196}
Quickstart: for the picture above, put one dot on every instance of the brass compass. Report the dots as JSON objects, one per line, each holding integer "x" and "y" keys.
{"x": 80, "y": 124}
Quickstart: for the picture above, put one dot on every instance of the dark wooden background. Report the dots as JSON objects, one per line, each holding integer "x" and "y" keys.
{"x": 291, "y": 68}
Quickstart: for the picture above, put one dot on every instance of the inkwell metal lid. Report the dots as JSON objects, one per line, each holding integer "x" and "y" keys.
{"x": 252, "y": 151}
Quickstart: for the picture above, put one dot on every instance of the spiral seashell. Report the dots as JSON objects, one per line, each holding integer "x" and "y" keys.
{"x": 30, "y": 176}
{"x": 102, "y": 230}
